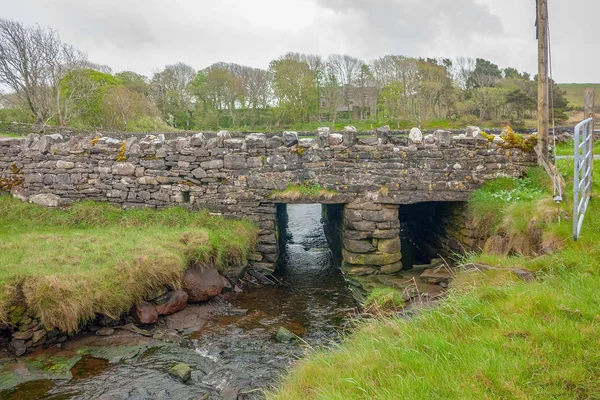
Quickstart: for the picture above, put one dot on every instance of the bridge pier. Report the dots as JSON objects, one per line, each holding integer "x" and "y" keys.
{"x": 371, "y": 239}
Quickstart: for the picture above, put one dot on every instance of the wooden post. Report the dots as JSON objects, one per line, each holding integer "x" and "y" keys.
{"x": 543, "y": 92}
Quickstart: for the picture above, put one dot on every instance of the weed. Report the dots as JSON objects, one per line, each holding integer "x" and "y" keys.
{"x": 305, "y": 190}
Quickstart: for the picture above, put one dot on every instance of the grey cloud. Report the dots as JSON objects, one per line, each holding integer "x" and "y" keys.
{"x": 409, "y": 26}
{"x": 143, "y": 35}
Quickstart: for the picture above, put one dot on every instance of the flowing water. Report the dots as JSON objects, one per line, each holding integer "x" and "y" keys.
{"x": 229, "y": 355}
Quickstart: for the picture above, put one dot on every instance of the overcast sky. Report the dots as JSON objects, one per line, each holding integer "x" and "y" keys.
{"x": 145, "y": 35}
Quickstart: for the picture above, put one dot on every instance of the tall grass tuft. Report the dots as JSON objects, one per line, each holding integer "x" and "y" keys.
{"x": 67, "y": 266}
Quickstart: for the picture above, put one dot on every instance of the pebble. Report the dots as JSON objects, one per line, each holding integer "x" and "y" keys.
{"x": 105, "y": 331}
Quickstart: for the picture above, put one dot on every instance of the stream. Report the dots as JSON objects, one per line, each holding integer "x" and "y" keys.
{"x": 231, "y": 356}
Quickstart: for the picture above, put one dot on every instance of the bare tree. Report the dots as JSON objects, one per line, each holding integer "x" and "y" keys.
{"x": 331, "y": 94}
{"x": 257, "y": 83}
{"x": 33, "y": 61}
{"x": 347, "y": 69}
{"x": 463, "y": 70}
{"x": 171, "y": 90}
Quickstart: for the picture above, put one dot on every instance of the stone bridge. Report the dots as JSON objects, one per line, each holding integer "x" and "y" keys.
{"x": 368, "y": 185}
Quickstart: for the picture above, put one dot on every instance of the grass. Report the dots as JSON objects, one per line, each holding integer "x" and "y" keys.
{"x": 65, "y": 266}
{"x": 384, "y": 300}
{"x": 575, "y": 92}
{"x": 306, "y": 190}
{"x": 567, "y": 148}
{"x": 14, "y": 135}
{"x": 493, "y": 337}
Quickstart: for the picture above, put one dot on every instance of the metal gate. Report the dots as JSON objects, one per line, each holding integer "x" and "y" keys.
{"x": 584, "y": 162}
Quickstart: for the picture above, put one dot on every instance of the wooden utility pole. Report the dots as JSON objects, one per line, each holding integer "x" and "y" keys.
{"x": 543, "y": 91}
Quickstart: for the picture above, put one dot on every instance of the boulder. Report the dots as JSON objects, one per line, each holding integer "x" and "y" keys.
{"x": 498, "y": 140}
{"x": 60, "y": 164}
{"x": 336, "y": 139}
{"x": 391, "y": 268}
{"x": 359, "y": 270}
{"x": 274, "y": 142}
{"x": 45, "y": 200}
{"x": 290, "y": 139}
{"x": 306, "y": 143}
{"x": 221, "y": 137}
{"x": 376, "y": 259}
{"x": 350, "y": 136}
{"x": 430, "y": 139}
{"x": 197, "y": 140}
{"x": 285, "y": 336}
{"x": 105, "y": 331}
{"x": 171, "y": 302}
{"x": 323, "y": 137}
{"x": 416, "y": 136}
{"x": 389, "y": 245}
{"x": 39, "y": 335}
{"x": 443, "y": 137}
{"x": 472, "y": 131}
{"x": 256, "y": 140}
{"x": 233, "y": 143}
{"x": 229, "y": 393}
{"x": 183, "y": 372}
{"x": 28, "y": 334}
{"x": 238, "y": 271}
{"x": 436, "y": 275}
{"x": 199, "y": 173}
{"x": 383, "y": 134}
{"x": 524, "y": 274}
{"x": 17, "y": 347}
{"x": 324, "y": 130}
{"x": 123, "y": 168}
{"x": 144, "y": 313}
{"x": 359, "y": 246}
{"x": 202, "y": 284}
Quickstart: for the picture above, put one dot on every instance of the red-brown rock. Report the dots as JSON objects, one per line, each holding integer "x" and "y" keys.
{"x": 144, "y": 313}
{"x": 202, "y": 284}
{"x": 171, "y": 302}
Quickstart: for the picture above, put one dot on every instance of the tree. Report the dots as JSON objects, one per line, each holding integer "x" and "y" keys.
{"x": 294, "y": 85}
{"x": 171, "y": 91}
{"x": 365, "y": 86}
{"x": 33, "y": 62}
{"x": 434, "y": 91}
{"x": 134, "y": 82}
{"x": 347, "y": 69}
{"x": 512, "y": 73}
{"x": 463, "y": 69}
{"x": 331, "y": 95}
{"x": 83, "y": 96}
{"x": 221, "y": 89}
{"x": 391, "y": 101}
{"x": 257, "y": 83}
{"x": 485, "y": 75}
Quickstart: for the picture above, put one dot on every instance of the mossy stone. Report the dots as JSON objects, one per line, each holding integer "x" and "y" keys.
{"x": 183, "y": 372}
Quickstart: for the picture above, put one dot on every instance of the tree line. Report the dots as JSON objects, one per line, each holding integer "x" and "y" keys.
{"x": 49, "y": 81}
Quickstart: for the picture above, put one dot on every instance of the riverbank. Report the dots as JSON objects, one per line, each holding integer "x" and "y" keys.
{"x": 66, "y": 268}
{"x": 495, "y": 335}
{"x": 230, "y": 342}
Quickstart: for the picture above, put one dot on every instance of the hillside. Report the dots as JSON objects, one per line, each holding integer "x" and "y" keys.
{"x": 575, "y": 93}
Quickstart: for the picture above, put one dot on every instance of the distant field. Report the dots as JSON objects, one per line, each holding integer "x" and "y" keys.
{"x": 575, "y": 93}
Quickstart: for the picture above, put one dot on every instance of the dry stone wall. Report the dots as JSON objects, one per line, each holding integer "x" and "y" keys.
{"x": 239, "y": 177}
